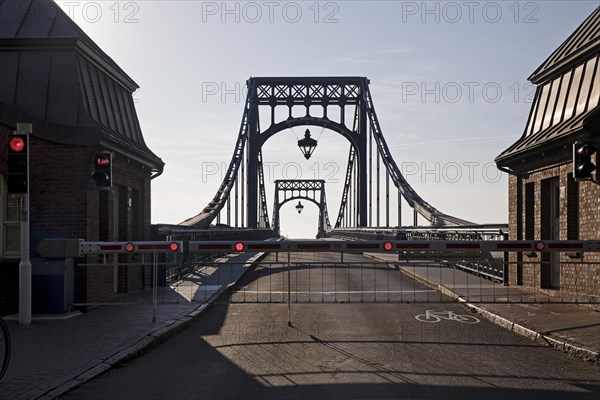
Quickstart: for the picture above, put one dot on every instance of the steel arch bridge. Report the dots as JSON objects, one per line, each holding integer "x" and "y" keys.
{"x": 242, "y": 191}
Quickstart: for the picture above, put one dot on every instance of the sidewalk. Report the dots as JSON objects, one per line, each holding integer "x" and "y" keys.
{"x": 51, "y": 356}
{"x": 571, "y": 328}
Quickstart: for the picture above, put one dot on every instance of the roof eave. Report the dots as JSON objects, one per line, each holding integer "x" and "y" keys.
{"x": 531, "y": 156}
{"x": 156, "y": 164}
{"x": 117, "y": 73}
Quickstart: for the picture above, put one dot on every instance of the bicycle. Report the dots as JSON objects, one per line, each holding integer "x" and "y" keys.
{"x": 4, "y": 347}
{"x": 432, "y": 316}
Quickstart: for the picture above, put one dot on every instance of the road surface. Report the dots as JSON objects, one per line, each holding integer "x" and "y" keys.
{"x": 352, "y": 350}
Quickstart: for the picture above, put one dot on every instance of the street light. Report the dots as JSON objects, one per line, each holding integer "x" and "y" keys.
{"x": 307, "y": 145}
{"x": 299, "y": 207}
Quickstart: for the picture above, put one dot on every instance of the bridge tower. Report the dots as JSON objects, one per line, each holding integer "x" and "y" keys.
{"x": 322, "y": 92}
{"x": 340, "y": 104}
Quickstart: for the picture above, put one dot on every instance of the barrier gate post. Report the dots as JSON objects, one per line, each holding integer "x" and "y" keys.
{"x": 154, "y": 284}
{"x": 289, "y": 291}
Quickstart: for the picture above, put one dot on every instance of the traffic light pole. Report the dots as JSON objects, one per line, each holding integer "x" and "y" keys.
{"x": 25, "y": 264}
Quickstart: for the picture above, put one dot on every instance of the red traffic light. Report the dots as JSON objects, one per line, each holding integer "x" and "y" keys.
{"x": 586, "y": 150}
{"x": 129, "y": 247}
{"x": 388, "y": 246}
{"x": 239, "y": 247}
{"x": 540, "y": 246}
{"x": 17, "y": 144}
{"x": 583, "y": 165}
{"x": 101, "y": 160}
{"x": 17, "y": 165}
{"x": 174, "y": 246}
{"x": 102, "y": 169}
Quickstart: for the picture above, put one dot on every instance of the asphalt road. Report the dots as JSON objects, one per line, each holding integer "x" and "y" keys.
{"x": 355, "y": 350}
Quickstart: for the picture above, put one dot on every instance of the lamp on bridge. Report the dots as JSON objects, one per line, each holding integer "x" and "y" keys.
{"x": 307, "y": 145}
{"x": 299, "y": 207}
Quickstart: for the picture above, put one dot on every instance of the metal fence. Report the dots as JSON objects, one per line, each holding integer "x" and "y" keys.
{"x": 321, "y": 278}
{"x": 339, "y": 271}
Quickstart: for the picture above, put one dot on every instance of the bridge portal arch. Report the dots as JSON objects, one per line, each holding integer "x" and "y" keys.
{"x": 345, "y": 93}
{"x": 312, "y": 190}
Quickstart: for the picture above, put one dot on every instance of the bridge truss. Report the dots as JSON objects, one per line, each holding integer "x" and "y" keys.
{"x": 341, "y": 104}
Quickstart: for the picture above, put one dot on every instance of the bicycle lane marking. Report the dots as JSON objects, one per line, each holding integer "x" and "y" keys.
{"x": 432, "y": 316}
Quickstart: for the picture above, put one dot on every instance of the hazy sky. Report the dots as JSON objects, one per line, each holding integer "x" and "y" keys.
{"x": 448, "y": 79}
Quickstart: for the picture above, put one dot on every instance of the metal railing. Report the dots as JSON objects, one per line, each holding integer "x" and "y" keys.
{"x": 321, "y": 277}
{"x": 439, "y": 265}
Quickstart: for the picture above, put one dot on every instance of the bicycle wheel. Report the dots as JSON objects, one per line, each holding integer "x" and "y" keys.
{"x": 467, "y": 319}
{"x": 4, "y": 347}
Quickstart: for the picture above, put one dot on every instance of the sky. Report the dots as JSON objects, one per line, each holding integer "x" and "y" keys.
{"x": 448, "y": 80}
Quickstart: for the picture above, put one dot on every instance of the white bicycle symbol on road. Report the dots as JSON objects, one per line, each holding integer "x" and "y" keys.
{"x": 432, "y": 316}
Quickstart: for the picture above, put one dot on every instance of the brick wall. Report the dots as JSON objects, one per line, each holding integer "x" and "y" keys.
{"x": 64, "y": 202}
{"x": 579, "y": 216}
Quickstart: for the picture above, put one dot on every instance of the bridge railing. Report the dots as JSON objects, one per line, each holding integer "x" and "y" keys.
{"x": 490, "y": 266}
{"x": 473, "y": 232}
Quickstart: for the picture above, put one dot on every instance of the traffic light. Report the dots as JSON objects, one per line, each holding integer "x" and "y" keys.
{"x": 103, "y": 169}
{"x": 582, "y": 160}
{"x": 17, "y": 164}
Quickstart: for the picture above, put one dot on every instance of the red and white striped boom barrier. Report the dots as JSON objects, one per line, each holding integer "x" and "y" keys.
{"x": 89, "y": 248}
{"x": 395, "y": 246}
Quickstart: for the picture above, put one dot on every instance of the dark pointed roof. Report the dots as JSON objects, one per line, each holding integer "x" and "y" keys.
{"x": 584, "y": 40}
{"x": 582, "y": 44}
{"x": 54, "y": 75}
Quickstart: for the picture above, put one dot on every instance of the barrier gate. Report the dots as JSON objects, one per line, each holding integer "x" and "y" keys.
{"x": 337, "y": 271}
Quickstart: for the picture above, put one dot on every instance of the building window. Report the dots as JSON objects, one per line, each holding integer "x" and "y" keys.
{"x": 539, "y": 115}
{"x": 586, "y": 85}
{"x": 573, "y": 90}
{"x": 569, "y": 95}
{"x": 123, "y": 213}
{"x": 562, "y": 98}
{"x": 103, "y": 216}
{"x": 529, "y": 211}
{"x": 549, "y": 113}
{"x": 136, "y": 216}
{"x": 595, "y": 94}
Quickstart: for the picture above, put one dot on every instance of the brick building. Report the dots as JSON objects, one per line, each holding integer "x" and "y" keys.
{"x": 78, "y": 101}
{"x": 545, "y": 201}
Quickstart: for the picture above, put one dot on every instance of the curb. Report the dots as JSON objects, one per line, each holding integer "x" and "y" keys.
{"x": 571, "y": 349}
{"x": 146, "y": 343}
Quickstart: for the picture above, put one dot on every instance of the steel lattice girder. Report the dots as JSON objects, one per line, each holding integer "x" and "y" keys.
{"x": 308, "y": 91}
